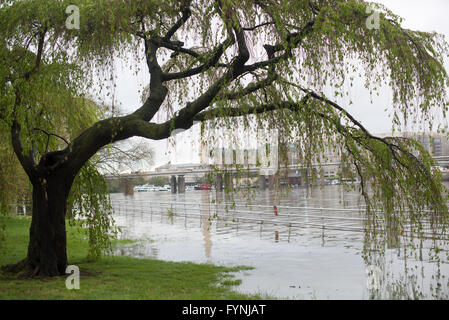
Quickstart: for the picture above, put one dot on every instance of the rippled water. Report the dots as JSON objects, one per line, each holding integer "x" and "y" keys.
{"x": 292, "y": 254}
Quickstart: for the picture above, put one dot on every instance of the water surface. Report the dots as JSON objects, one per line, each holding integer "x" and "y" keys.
{"x": 292, "y": 255}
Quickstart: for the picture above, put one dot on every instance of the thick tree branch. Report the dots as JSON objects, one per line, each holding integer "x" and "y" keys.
{"x": 293, "y": 40}
{"x": 258, "y": 26}
{"x": 40, "y": 49}
{"x": 181, "y": 21}
{"x": 185, "y": 116}
{"x": 158, "y": 92}
{"x": 214, "y": 55}
{"x": 151, "y": 106}
{"x": 231, "y": 20}
{"x": 250, "y": 88}
{"x": 26, "y": 160}
{"x": 177, "y": 47}
{"x": 109, "y": 131}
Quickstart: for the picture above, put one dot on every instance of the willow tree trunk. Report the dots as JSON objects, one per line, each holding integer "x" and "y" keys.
{"x": 47, "y": 254}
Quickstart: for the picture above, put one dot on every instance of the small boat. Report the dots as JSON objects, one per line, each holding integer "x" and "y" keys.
{"x": 143, "y": 188}
{"x": 204, "y": 186}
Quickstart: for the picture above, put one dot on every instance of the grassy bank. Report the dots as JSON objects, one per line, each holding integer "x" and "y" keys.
{"x": 113, "y": 277}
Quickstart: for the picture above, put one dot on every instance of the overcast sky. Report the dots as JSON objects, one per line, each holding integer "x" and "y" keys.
{"x": 423, "y": 15}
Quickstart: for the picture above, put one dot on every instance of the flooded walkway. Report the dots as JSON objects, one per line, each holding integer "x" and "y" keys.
{"x": 308, "y": 247}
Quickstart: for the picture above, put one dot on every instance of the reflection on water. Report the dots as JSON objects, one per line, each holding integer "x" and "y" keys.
{"x": 206, "y": 223}
{"x": 298, "y": 252}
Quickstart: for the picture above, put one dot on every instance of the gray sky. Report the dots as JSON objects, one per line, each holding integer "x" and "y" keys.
{"x": 423, "y": 15}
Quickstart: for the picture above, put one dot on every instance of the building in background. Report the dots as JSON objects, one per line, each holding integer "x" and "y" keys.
{"x": 269, "y": 159}
{"x": 436, "y": 144}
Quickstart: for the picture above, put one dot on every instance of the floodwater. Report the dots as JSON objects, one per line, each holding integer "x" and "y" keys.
{"x": 308, "y": 247}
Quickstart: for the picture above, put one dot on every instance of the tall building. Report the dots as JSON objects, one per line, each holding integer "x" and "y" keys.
{"x": 436, "y": 144}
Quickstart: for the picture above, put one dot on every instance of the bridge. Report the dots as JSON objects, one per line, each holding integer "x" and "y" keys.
{"x": 223, "y": 174}
{"x": 205, "y": 169}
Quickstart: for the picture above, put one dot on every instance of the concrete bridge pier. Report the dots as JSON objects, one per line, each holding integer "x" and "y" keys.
{"x": 219, "y": 182}
{"x": 181, "y": 184}
{"x": 322, "y": 180}
{"x": 262, "y": 182}
{"x": 127, "y": 187}
{"x": 228, "y": 181}
{"x": 173, "y": 184}
{"x": 272, "y": 181}
{"x": 305, "y": 177}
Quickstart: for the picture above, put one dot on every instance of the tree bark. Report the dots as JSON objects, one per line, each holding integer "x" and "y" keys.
{"x": 47, "y": 254}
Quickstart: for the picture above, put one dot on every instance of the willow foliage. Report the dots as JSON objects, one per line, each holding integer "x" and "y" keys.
{"x": 265, "y": 62}
{"x": 53, "y": 110}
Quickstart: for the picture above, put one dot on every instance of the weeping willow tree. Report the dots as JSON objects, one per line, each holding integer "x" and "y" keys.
{"x": 14, "y": 185}
{"x": 256, "y": 63}
{"x": 41, "y": 110}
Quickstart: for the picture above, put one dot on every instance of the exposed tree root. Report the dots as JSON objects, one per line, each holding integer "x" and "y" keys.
{"x": 22, "y": 265}
{"x": 24, "y": 269}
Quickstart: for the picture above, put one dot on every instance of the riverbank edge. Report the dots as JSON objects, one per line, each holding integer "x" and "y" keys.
{"x": 114, "y": 277}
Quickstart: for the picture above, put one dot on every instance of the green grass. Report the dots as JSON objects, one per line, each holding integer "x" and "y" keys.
{"x": 113, "y": 277}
